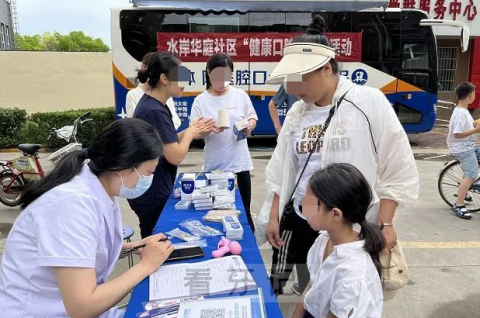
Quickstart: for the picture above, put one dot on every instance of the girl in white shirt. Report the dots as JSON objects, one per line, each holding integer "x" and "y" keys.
{"x": 222, "y": 150}
{"x": 134, "y": 96}
{"x": 344, "y": 265}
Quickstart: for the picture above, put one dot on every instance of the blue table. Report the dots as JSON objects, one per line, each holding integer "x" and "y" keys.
{"x": 171, "y": 218}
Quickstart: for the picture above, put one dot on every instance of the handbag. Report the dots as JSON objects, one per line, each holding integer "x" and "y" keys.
{"x": 395, "y": 274}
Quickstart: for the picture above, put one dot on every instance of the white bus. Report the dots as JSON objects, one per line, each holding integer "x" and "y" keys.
{"x": 391, "y": 49}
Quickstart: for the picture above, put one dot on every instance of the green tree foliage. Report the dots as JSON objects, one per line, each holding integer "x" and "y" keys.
{"x": 75, "y": 41}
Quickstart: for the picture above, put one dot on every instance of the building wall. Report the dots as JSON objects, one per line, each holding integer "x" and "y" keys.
{"x": 55, "y": 81}
{"x": 461, "y": 74}
{"x": 6, "y": 20}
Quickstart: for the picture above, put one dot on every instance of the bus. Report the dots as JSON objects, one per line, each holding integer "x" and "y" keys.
{"x": 389, "y": 49}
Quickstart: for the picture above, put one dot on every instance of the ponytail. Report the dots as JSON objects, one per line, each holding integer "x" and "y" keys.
{"x": 67, "y": 168}
{"x": 374, "y": 242}
{"x": 315, "y": 33}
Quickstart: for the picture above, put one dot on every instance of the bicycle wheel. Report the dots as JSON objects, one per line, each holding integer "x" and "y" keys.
{"x": 448, "y": 182}
{"x": 10, "y": 199}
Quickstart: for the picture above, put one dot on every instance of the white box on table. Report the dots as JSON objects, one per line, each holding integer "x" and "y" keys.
{"x": 188, "y": 186}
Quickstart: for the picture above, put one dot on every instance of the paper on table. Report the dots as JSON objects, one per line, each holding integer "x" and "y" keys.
{"x": 216, "y": 276}
{"x": 233, "y": 307}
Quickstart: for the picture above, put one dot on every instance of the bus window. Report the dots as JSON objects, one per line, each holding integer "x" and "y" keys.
{"x": 139, "y": 29}
{"x": 338, "y": 21}
{"x": 214, "y": 22}
{"x": 407, "y": 115}
{"x": 267, "y": 22}
{"x": 377, "y": 44}
{"x": 415, "y": 56}
{"x": 416, "y": 65}
{"x": 297, "y": 22}
{"x": 174, "y": 22}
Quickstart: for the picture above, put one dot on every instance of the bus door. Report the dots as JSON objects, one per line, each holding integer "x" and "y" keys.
{"x": 416, "y": 89}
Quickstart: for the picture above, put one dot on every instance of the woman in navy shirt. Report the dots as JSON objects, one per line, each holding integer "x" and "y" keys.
{"x": 162, "y": 75}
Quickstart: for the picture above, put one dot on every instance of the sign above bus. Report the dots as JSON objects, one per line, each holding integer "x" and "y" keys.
{"x": 466, "y": 11}
{"x": 262, "y": 5}
{"x": 245, "y": 47}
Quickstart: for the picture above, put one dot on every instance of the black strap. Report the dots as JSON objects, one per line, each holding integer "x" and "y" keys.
{"x": 322, "y": 132}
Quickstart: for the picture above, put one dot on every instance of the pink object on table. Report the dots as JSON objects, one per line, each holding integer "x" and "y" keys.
{"x": 226, "y": 246}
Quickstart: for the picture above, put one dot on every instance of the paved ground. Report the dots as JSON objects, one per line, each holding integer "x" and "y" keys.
{"x": 442, "y": 250}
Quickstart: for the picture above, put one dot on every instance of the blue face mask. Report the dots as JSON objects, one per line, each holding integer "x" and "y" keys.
{"x": 143, "y": 184}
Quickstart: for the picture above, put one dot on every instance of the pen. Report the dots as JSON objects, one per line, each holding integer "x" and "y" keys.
{"x": 133, "y": 249}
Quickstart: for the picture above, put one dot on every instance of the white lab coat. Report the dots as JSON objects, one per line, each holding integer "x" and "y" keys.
{"x": 73, "y": 225}
{"x": 390, "y": 170}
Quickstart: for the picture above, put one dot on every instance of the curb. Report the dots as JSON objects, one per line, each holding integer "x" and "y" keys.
{"x": 13, "y": 150}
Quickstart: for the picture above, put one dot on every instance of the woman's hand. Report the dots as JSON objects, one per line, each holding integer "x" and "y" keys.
{"x": 273, "y": 234}
{"x": 218, "y": 130}
{"x": 155, "y": 253}
{"x": 251, "y": 127}
{"x": 130, "y": 245}
{"x": 202, "y": 127}
{"x": 390, "y": 237}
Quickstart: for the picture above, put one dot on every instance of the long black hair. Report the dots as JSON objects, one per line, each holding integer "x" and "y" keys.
{"x": 218, "y": 60}
{"x": 157, "y": 64}
{"x": 315, "y": 33}
{"x": 122, "y": 145}
{"x": 343, "y": 186}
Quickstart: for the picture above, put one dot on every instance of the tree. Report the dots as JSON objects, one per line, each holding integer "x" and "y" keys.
{"x": 75, "y": 41}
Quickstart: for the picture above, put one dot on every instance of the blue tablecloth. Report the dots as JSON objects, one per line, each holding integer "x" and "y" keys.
{"x": 171, "y": 218}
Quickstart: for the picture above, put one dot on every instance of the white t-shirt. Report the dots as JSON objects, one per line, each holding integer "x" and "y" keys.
{"x": 346, "y": 281}
{"x": 461, "y": 121}
{"x": 304, "y": 139}
{"x": 134, "y": 96}
{"x": 222, "y": 151}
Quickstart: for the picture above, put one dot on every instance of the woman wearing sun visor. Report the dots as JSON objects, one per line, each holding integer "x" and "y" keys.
{"x": 335, "y": 121}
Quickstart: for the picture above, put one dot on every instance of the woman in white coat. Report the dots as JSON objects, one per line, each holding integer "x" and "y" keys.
{"x": 67, "y": 240}
{"x": 364, "y": 131}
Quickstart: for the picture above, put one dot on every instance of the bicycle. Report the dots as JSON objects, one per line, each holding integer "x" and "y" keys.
{"x": 17, "y": 174}
{"x": 449, "y": 181}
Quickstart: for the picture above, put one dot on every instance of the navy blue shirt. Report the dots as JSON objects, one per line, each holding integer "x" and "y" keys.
{"x": 281, "y": 98}
{"x": 159, "y": 116}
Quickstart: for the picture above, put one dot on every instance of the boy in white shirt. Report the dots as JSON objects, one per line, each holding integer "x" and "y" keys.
{"x": 462, "y": 143}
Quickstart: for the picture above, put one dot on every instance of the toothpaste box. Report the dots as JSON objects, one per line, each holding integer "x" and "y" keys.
{"x": 188, "y": 186}
{"x": 224, "y": 180}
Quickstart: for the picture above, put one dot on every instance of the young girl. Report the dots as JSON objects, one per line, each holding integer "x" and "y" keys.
{"x": 344, "y": 265}
{"x": 222, "y": 150}
{"x": 161, "y": 74}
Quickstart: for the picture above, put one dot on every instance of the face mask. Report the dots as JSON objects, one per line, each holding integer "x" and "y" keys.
{"x": 143, "y": 184}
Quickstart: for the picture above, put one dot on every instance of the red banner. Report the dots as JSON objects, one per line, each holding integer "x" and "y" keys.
{"x": 250, "y": 47}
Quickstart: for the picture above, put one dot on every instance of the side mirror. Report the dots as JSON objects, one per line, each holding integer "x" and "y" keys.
{"x": 464, "y": 32}
{"x": 465, "y": 39}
